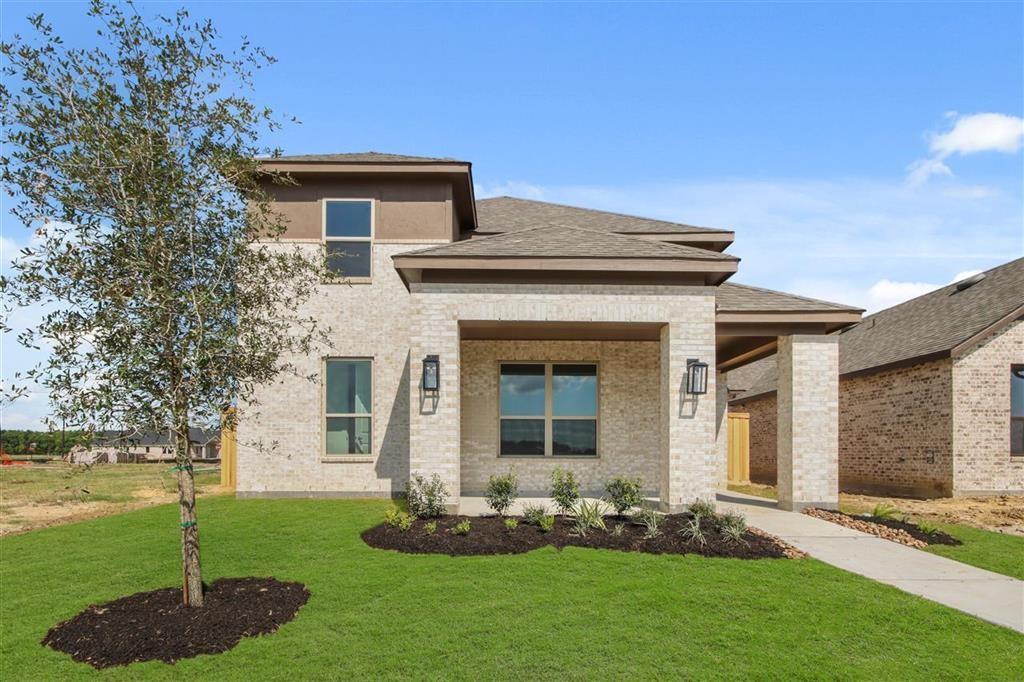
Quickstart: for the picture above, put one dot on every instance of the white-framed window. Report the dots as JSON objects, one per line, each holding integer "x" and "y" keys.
{"x": 348, "y": 237}
{"x": 1017, "y": 410}
{"x": 547, "y": 409}
{"x": 348, "y": 406}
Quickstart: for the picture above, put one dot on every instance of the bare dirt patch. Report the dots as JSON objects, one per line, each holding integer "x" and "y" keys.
{"x": 156, "y": 626}
{"x": 999, "y": 513}
{"x": 488, "y": 535}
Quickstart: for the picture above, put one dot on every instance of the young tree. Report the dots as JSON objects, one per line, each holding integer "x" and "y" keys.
{"x": 167, "y": 292}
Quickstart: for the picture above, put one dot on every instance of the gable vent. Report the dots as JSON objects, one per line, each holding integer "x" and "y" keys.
{"x": 970, "y": 281}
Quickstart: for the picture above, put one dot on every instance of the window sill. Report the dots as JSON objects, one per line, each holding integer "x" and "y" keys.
{"x": 597, "y": 456}
{"x": 348, "y": 280}
{"x": 351, "y": 459}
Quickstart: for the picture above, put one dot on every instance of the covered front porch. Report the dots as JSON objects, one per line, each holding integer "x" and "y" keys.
{"x": 507, "y": 356}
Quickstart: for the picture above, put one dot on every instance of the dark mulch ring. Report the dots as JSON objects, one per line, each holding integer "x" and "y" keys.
{"x": 488, "y": 535}
{"x": 897, "y": 530}
{"x": 156, "y": 626}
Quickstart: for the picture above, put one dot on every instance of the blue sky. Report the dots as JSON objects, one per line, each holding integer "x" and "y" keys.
{"x": 797, "y": 125}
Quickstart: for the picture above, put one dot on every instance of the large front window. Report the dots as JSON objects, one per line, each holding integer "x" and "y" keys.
{"x": 349, "y": 407}
{"x": 548, "y": 409}
{"x": 348, "y": 235}
{"x": 1017, "y": 410}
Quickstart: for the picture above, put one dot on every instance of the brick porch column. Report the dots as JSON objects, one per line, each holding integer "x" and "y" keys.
{"x": 434, "y": 445}
{"x": 722, "y": 429}
{"x": 688, "y": 429}
{"x": 808, "y": 421}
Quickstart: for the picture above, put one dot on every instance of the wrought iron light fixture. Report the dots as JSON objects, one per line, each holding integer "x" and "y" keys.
{"x": 431, "y": 374}
{"x": 696, "y": 377}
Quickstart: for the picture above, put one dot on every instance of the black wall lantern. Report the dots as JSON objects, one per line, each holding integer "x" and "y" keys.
{"x": 696, "y": 377}
{"x": 431, "y": 373}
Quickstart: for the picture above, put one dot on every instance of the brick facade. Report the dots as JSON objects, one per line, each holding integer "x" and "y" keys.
{"x": 933, "y": 429}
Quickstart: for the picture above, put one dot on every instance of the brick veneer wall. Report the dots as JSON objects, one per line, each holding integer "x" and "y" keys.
{"x": 628, "y": 396}
{"x": 981, "y": 416}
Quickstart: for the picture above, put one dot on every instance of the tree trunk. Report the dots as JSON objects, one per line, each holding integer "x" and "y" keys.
{"x": 191, "y": 573}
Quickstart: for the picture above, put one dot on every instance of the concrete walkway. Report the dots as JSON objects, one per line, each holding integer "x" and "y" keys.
{"x": 990, "y": 596}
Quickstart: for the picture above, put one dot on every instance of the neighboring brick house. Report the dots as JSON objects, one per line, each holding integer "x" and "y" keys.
{"x": 121, "y": 447}
{"x": 472, "y": 337}
{"x": 931, "y": 394}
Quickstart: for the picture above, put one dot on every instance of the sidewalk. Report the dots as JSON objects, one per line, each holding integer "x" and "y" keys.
{"x": 990, "y": 596}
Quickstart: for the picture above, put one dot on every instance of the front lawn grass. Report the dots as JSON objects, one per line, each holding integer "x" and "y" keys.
{"x": 575, "y": 614}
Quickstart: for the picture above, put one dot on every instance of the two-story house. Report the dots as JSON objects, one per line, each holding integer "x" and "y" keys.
{"x": 471, "y": 337}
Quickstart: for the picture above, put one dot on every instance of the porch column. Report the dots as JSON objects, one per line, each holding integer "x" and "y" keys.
{"x": 722, "y": 429}
{"x": 688, "y": 433}
{"x": 808, "y": 421}
{"x": 434, "y": 418}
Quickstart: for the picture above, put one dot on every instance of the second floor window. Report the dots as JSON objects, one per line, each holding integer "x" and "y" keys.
{"x": 348, "y": 235}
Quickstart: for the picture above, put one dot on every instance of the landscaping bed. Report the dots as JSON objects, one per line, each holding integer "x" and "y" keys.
{"x": 489, "y": 535}
{"x": 155, "y": 625}
{"x": 896, "y": 530}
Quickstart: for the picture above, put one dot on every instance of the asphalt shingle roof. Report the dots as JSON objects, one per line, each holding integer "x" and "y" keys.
{"x": 744, "y": 298}
{"x": 563, "y": 241}
{"x": 931, "y": 324}
{"x": 362, "y": 157}
{"x": 505, "y": 214}
{"x": 195, "y": 434}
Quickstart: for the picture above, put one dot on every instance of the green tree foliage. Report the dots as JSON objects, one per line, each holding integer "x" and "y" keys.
{"x": 40, "y": 443}
{"x": 167, "y": 292}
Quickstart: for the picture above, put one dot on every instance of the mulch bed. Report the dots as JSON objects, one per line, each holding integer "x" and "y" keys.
{"x": 156, "y": 626}
{"x": 903, "y": 532}
{"x": 488, "y": 535}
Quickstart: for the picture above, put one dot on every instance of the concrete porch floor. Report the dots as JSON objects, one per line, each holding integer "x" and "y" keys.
{"x": 990, "y": 596}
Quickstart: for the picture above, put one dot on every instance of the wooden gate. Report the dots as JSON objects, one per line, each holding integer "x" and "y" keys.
{"x": 739, "y": 447}
{"x": 228, "y": 459}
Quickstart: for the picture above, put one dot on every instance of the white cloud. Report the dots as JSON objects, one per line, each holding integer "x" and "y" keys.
{"x": 969, "y": 134}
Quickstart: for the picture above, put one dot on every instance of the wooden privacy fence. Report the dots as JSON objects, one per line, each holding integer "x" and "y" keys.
{"x": 739, "y": 447}
{"x": 228, "y": 459}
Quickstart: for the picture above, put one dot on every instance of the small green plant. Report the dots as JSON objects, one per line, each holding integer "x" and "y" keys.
{"x": 462, "y": 527}
{"x": 884, "y": 511}
{"x": 624, "y": 493}
{"x": 533, "y": 513}
{"x": 430, "y": 527}
{"x": 927, "y": 527}
{"x": 702, "y": 509}
{"x": 426, "y": 497}
{"x": 618, "y": 529}
{"x": 511, "y": 525}
{"x": 732, "y": 526}
{"x": 546, "y": 523}
{"x": 589, "y": 516}
{"x": 395, "y": 518}
{"x": 502, "y": 491}
{"x": 650, "y": 520}
{"x": 565, "y": 489}
{"x": 692, "y": 531}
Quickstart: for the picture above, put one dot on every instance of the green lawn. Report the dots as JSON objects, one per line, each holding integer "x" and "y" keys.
{"x": 574, "y": 614}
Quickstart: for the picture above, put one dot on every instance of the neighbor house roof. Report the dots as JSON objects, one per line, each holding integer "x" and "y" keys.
{"x": 567, "y": 241}
{"x": 360, "y": 157}
{"x": 505, "y": 214}
{"x": 160, "y": 438}
{"x": 737, "y": 298}
{"x": 938, "y": 324}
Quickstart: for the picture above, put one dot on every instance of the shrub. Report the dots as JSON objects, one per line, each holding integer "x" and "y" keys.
{"x": 732, "y": 526}
{"x": 426, "y": 498}
{"x": 546, "y": 523}
{"x": 692, "y": 531}
{"x": 462, "y": 527}
{"x": 511, "y": 525}
{"x": 398, "y": 519}
{"x": 589, "y": 515}
{"x": 650, "y": 520}
{"x": 502, "y": 491}
{"x": 624, "y": 493}
{"x": 565, "y": 489}
{"x": 702, "y": 509}
{"x": 883, "y": 511}
{"x": 430, "y": 527}
{"x": 618, "y": 529}
{"x": 533, "y": 513}
{"x": 927, "y": 527}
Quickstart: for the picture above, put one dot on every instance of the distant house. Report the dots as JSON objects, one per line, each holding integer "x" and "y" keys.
{"x": 931, "y": 394}
{"x": 148, "y": 446}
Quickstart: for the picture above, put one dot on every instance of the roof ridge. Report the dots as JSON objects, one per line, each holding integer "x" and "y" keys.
{"x": 658, "y": 244}
{"x": 615, "y": 213}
